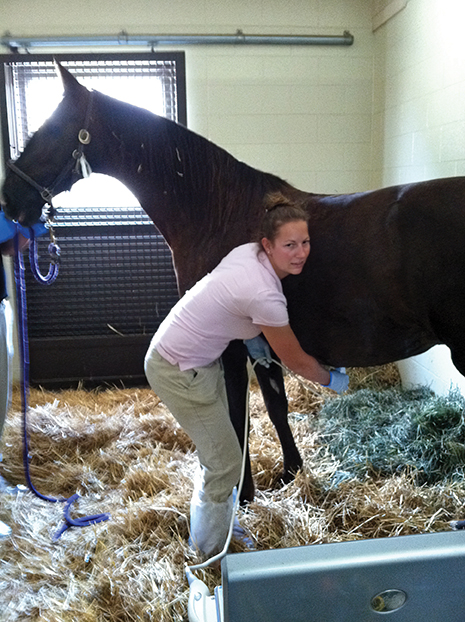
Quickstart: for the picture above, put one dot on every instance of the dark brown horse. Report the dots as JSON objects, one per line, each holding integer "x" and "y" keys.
{"x": 384, "y": 280}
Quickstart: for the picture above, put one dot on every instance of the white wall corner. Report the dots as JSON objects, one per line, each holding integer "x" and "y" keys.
{"x": 383, "y": 10}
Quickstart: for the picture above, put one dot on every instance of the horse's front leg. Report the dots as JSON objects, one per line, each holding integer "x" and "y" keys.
{"x": 272, "y": 386}
{"x": 236, "y": 378}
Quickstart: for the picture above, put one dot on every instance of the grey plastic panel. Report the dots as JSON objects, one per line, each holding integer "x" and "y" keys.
{"x": 359, "y": 581}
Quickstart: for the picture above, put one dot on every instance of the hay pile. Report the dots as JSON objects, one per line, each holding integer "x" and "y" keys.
{"x": 393, "y": 430}
{"x": 125, "y": 454}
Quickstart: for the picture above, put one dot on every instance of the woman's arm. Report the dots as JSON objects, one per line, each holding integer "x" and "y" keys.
{"x": 284, "y": 342}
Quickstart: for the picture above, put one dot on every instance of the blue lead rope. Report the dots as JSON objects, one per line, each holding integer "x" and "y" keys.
{"x": 53, "y": 251}
{"x": 24, "y": 354}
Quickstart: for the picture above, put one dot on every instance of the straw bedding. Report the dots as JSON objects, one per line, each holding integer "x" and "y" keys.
{"x": 125, "y": 454}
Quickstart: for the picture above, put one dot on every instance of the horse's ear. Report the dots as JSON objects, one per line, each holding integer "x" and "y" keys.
{"x": 69, "y": 81}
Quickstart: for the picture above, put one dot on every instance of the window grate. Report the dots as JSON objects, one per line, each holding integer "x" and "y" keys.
{"x": 160, "y": 76}
{"x": 116, "y": 276}
{"x": 112, "y": 280}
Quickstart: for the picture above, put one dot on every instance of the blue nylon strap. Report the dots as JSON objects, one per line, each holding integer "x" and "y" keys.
{"x": 24, "y": 354}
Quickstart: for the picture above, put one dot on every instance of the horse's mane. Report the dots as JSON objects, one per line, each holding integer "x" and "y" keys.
{"x": 201, "y": 177}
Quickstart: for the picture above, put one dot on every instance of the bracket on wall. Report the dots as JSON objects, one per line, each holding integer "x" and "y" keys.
{"x": 388, "y": 10}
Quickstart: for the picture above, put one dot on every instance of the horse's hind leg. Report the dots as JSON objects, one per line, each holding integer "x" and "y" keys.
{"x": 274, "y": 395}
{"x": 235, "y": 372}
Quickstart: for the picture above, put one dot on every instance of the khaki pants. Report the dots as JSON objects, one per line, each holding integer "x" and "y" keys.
{"x": 197, "y": 399}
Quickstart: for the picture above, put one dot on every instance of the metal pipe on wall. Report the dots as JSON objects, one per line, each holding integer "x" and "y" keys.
{"x": 15, "y": 44}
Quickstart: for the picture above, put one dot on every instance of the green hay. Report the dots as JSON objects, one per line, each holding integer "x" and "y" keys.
{"x": 390, "y": 431}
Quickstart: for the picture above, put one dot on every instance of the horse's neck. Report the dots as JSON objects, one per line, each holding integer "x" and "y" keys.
{"x": 197, "y": 194}
{"x": 122, "y": 150}
{"x": 170, "y": 170}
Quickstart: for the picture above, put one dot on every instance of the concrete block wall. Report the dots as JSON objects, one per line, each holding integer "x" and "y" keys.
{"x": 419, "y": 123}
{"x": 388, "y": 109}
{"x": 303, "y": 113}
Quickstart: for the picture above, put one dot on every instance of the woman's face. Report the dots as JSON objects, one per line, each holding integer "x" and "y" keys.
{"x": 289, "y": 250}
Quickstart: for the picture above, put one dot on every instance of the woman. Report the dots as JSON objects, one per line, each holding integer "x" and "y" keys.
{"x": 240, "y": 299}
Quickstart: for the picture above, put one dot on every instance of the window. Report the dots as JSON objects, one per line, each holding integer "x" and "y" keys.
{"x": 33, "y": 90}
{"x": 116, "y": 281}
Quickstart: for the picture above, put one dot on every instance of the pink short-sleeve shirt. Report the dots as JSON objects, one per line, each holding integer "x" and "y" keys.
{"x": 231, "y": 302}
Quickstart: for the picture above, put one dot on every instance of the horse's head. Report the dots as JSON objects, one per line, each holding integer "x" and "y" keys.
{"x": 48, "y": 163}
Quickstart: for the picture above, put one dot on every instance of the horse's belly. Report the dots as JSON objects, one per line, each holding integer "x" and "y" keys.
{"x": 359, "y": 335}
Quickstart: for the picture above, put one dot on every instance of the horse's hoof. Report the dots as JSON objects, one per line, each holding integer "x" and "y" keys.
{"x": 247, "y": 495}
{"x": 288, "y": 475}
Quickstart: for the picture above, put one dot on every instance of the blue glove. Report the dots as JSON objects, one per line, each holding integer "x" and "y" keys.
{"x": 339, "y": 380}
{"x": 8, "y": 229}
{"x": 39, "y": 229}
{"x": 259, "y": 350}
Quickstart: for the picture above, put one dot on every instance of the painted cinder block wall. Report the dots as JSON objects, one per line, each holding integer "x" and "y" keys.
{"x": 419, "y": 123}
{"x": 327, "y": 119}
{"x": 303, "y": 113}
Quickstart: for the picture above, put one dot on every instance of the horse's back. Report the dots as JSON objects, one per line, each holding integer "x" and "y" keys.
{"x": 382, "y": 266}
